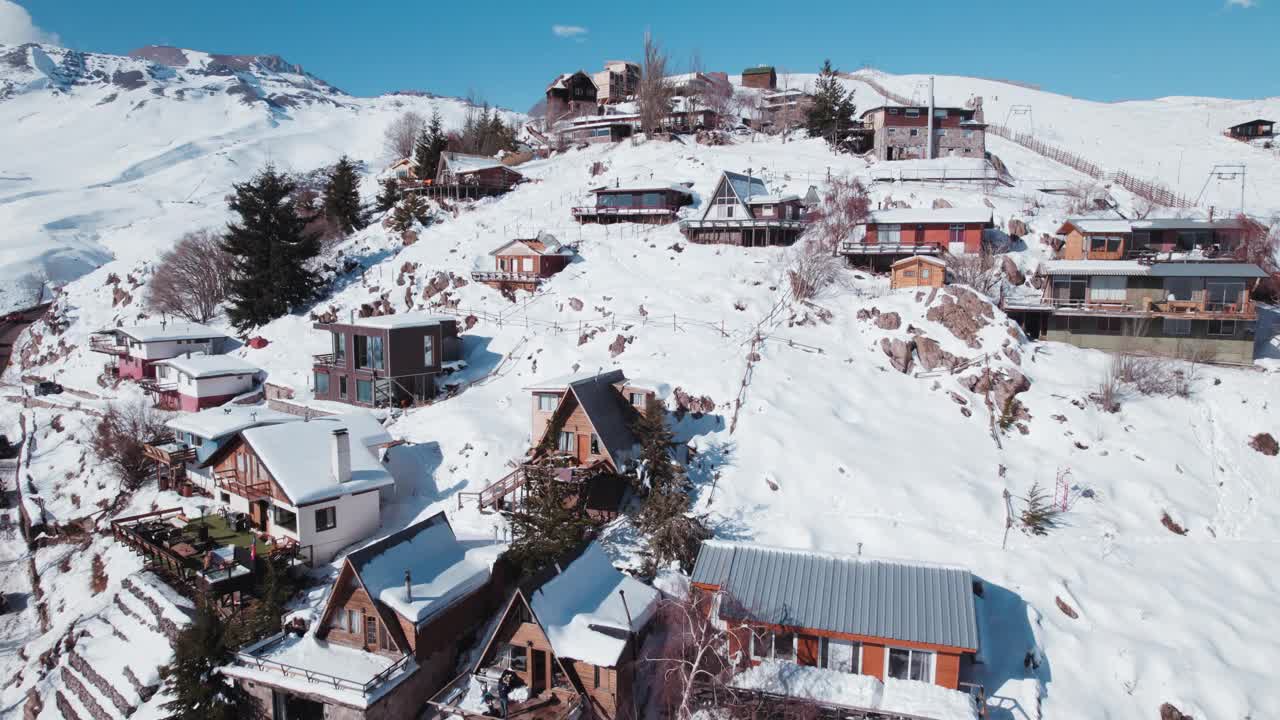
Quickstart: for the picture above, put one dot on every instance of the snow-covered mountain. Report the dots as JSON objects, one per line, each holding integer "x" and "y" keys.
{"x": 108, "y": 156}
{"x": 815, "y": 440}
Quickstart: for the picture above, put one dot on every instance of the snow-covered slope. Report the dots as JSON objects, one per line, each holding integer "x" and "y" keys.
{"x": 824, "y": 446}
{"x": 108, "y": 156}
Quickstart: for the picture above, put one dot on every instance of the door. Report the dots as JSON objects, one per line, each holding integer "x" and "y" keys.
{"x": 258, "y": 514}
{"x": 584, "y": 447}
{"x": 538, "y": 673}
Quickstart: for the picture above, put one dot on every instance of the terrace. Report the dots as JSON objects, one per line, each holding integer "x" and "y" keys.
{"x": 305, "y": 663}
{"x": 108, "y": 343}
{"x": 214, "y": 554}
{"x": 472, "y": 696}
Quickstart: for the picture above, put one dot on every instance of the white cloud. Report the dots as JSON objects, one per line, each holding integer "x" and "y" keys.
{"x": 16, "y": 27}
{"x": 564, "y": 31}
{"x": 1242, "y": 3}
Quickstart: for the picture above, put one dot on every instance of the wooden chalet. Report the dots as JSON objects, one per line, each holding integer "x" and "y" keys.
{"x": 654, "y": 203}
{"x": 571, "y": 640}
{"x": 136, "y": 349}
{"x": 617, "y": 82}
{"x": 1252, "y": 130}
{"x": 581, "y": 429}
{"x": 182, "y": 455}
{"x": 319, "y": 483}
{"x": 473, "y": 176}
{"x": 524, "y": 264}
{"x": 918, "y": 271}
{"x": 1120, "y": 239}
{"x": 389, "y": 635}
{"x": 887, "y": 236}
{"x": 1187, "y": 309}
{"x": 571, "y": 95}
{"x": 742, "y": 211}
{"x": 386, "y": 361}
{"x": 597, "y": 129}
{"x": 890, "y": 621}
{"x": 761, "y": 77}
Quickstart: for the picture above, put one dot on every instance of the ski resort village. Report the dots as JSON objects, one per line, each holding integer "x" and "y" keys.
{"x": 723, "y": 393}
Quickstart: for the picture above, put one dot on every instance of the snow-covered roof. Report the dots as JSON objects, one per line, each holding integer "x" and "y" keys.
{"x": 1159, "y": 269}
{"x": 745, "y": 186}
{"x": 464, "y": 163}
{"x": 906, "y": 216}
{"x": 441, "y": 568}
{"x": 607, "y": 411}
{"x": 645, "y": 187}
{"x": 309, "y": 653}
{"x": 580, "y": 607}
{"x": 297, "y": 455}
{"x": 1095, "y": 225}
{"x": 168, "y": 332}
{"x": 544, "y": 245}
{"x": 920, "y": 258}
{"x": 1186, "y": 224}
{"x": 560, "y": 383}
{"x": 772, "y": 199}
{"x": 200, "y": 365}
{"x": 402, "y": 320}
{"x": 798, "y": 588}
{"x": 214, "y": 423}
{"x": 853, "y": 690}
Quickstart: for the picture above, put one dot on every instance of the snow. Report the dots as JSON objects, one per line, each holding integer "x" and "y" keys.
{"x": 463, "y": 163}
{"x": 442, "y": 570}
{"x": 402, "y": 320}
{"x": 199, "y": 365}
{"x": 1094, "y": 267}
{"x": 1092, "y": 225}
{"x": 168, "y": 332}
{"x": 907, "y": 216}
{"x": 586, "y": 595}
{"x": 863, "y": 692}
{"x": 309, "y": 653}
{"x": 213, "y": 423}
{"x": 298, "y": 456}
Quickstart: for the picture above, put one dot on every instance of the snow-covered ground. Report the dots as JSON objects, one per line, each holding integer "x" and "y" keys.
{"x": 831, "y": 449}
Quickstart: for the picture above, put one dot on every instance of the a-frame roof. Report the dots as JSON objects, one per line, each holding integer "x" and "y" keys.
{"x": 607, "y": 411}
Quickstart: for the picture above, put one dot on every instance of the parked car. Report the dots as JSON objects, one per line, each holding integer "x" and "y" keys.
{"x": 48, "y": 387}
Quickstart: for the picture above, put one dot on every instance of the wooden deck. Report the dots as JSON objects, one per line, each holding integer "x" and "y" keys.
{"x": 554, "y": 704}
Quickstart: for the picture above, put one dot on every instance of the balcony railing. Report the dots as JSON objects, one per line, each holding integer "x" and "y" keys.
{"x": 500, "y": 276}
{"x": 744, "y": 223}
{"x": 589, "y": 211}
{"x": 1244, "y": 309}
{"x": 877, "y": 248}
{"x": 248, "y": 659}
{"x": 331, "y": 360}
{"x": 107, "y": 344}
{"x": 155, "y": 385}
{"x": 168, "y": 451}
{"x": 232, "y": 482}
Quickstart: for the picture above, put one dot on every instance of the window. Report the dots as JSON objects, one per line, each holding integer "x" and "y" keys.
{"x": 1107, "y": 288}
{"x": 355, "y": 622}
{"x": 595, "y": 444}
{"x": 765, "y": 644}
{"x": 939, "y": 112}
{"x": 893, "y": 111}
{"x": 1075, "y": 323}
{"x": 913, "y": 112}
{"x": 784, "y": 646}
{"x": 369, "y": 352}
{"x": 940, "y": 132}
{"x": 547, "y": 402}
{"x": 891, "y": 234}
{"x": 840, "y": 655}
{"x": 517, "y": 658}
{"x": 370, "y": 631}
{"x": 526, "y": 264}
{"x": 906, "y": 664}
{"x": 924, "y": 273}
{"x": 428, "y": 350}
{"x": 342, "y": 387}
{"x": 1177, "y": 326}
{"x": 1104, "y": 243}
{"x": 596, "y": 668}
{"x": 326, "y": 518}
{"x": 638, "y": 400}
{"x": 285, "y": 518}
{"x": 892, "y": 131}
{"x": 915, "y": 132}
{"x": 322, "y": 383}
{"x": 364, "y": 391}
{"x": 968, "y": 134}
{"x": 652, "y": 200}
{"x": 567, "y": 443}
{"x": 955, "y": 233}
{"x": 1221, "y": 294}
{"x": 761, "y": 644}
{"x": 1222, "y": 328}
{"x": 909, "y": 273}
{"x": 338, "y": 342}
{"x": 1182, "y": 288}
{"x": 226, "y": 498}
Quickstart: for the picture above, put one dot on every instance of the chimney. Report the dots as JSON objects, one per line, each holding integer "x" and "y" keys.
{"x": 341, "y": 456}
{"x": 408, "y": 586}
{"x": 929, "y": 139}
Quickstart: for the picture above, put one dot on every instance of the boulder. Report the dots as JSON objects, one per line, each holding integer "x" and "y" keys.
{"x": 688, "y": 403}
{"x": 575, "y": 303}
{"x": 964, "y": 313}
{"x": 1169, "y": 712}
{"x": 408, "y": 237}
{"x": 940, "y": 203}
{"x": 931, "y": 354}
{"x": 889, "y": 321}
{"x": 899, "y": 352}
{"x": 1012, "y": 272}
{"x": 620, "y": 344}
{"x": 1017, "y": 228}
{"x": 1265, "y": 444}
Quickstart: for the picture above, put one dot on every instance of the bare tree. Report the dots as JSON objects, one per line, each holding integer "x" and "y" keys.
{"x": 693, "y": 666}
{"x": 120, "y": 438}
{"x": 811, "y": 268}
{"x": 192, "y": 279}
{"x": 401, "y": 135}
{"x": 1260, "y": 245}
{"x": 977, "y": 270}
{"x": 655, "y": 90}
{"x": 845, "y": 205}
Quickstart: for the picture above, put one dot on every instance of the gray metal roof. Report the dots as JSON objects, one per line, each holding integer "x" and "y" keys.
{"x": 890, "y": 599}
{"x": 1186, "y": 224}
{"x": 745, "y": 186}
{"x": 1210, "y": 269}
{"x": 1134, "y": 268}
{"x": 609, "y": 413}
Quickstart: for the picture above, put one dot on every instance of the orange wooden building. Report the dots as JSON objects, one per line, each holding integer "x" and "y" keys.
{"x": 918, "y": 271}
{"x": 887, "y": 619}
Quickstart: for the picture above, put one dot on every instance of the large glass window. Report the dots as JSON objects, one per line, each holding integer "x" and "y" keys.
{"x": 653, "y": 200}
{"x": 784, "y": 646}
{"x": 1182, "y": 288}
{"x": 906, "y": 664}
{"x": 338, "y": 343}
{"x": 840, "y": 655}
{"x": 1107, "y": 288}
{"x": 955, "y": 234}
{"x": 1177, "y": 327}
{"x": 364, "y": 391}
{"x": 428, "y": 350}
{"x": 285, "y": 518}
{"x": 517, "y": 658}
{"x": 566, "y": 442}
{"x": 1222, "y": 328}
{"x": 1104, "y": 243}
{"x": 890, "y": 234}
{"x": 322, "y": 383}
{"x": 369, "y": 352}
{"x": 326, "y": 518}
{"x": 1220, "y": 294}
{"x": 547, "y": 402}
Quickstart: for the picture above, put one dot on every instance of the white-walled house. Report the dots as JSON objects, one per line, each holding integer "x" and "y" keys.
{"x": 196, "y": 437}
{"x": 134, "y": 350}
{"x": 197, "y": 381}
{"x": 319, "y": 482}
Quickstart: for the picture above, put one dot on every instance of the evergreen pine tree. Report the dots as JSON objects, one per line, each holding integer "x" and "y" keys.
{"x": 199, "y": 691}
{"x": 547, "y": 525}
{"x": 342, "y": 197}
{"x": 412, "y": 208}
{"x": 270, "y": 249}
{"x": 437, "y": 139}
{"x": 265, "y": 620}
{"x": 389, "y": 195}
{"x": 832, "y": 109}
{"x": 671, "y": 532}
{"x": 423, "y": 167}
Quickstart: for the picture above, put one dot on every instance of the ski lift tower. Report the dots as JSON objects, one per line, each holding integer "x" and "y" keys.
{"x": 1228, "y": 173}
{"x": 1020, "y": 111}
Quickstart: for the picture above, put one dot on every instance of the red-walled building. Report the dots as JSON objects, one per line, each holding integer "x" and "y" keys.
{"x": 524, "y": 264}
{"x": 890, "y": 235}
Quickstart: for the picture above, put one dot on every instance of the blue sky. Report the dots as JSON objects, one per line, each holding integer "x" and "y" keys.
{"x": 506, "y": 52}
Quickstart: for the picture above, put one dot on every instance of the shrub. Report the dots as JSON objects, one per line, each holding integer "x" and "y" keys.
{"x": 977, "y": 270}
{"x": 192, "y": 279}
{"x": 811, "y": 268}
{"x": 120, "y": 438}
{"x": 1039, "y": 515}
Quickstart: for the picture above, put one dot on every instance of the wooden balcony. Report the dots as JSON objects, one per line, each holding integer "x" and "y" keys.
{"x": 107, "y": 344}
{"x": 232, "y": 482}
{"x": 498, "y": 276}
{"x": 157, "y": 386}
{"x": 330, "y": 360}
{"x": 877, "y": 248}
{"x": 591, "y": 211}
{"x": 1201, "y": 309}
{"x": 168, "y": 451}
